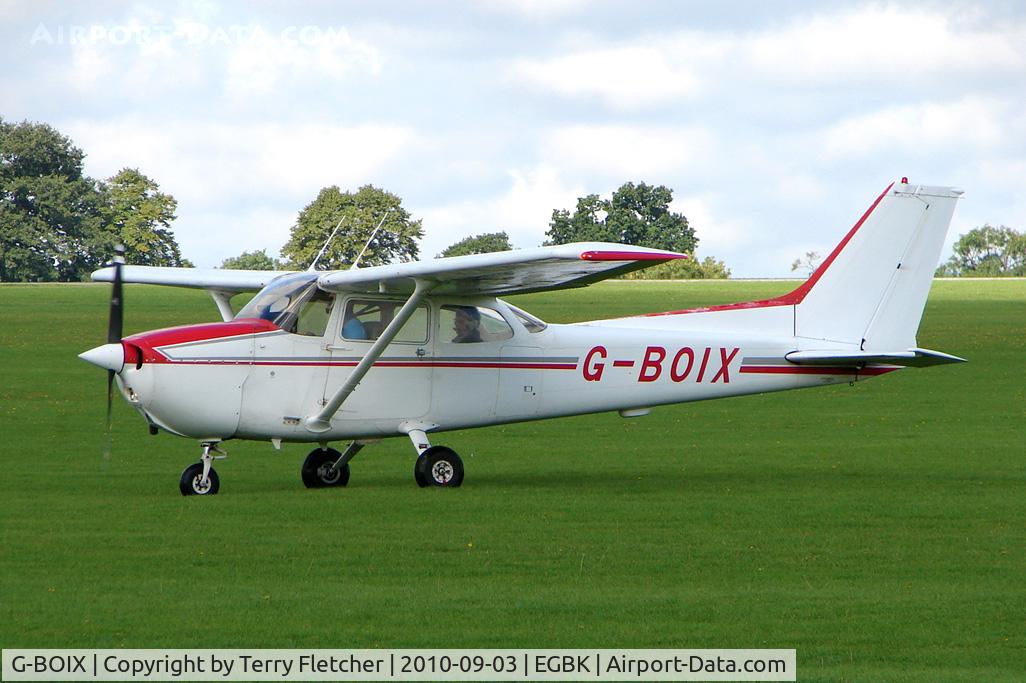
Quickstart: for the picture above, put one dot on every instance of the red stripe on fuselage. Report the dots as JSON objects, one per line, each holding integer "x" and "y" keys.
{"x": 379, "y": 364}
{"x": 150, "y": 342}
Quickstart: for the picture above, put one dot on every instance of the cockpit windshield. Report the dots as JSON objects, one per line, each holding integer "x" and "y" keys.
{"x": 288, "y": 301}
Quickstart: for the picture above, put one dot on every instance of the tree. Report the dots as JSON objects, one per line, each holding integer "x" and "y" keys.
{"x": 50, "y": 223}
{"x": 807, "y": 263}
{"x": 252, "y": 260}
{"x": 479, "y": 244}
{"x": 139, "y": 215}
{"x": 987, "y": 252}
{"x": 359, "y": 213}
{"x": 57, "y": 224}
{"x": 635, "y": 214}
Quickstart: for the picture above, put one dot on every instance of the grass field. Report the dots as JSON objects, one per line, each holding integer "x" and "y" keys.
{"x": 878, "y": 529}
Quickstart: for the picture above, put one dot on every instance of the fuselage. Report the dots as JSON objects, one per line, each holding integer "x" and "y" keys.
{"x": 250, "y": 378}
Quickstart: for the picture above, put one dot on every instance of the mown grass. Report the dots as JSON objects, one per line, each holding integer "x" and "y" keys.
{"x": 878, "y": 529}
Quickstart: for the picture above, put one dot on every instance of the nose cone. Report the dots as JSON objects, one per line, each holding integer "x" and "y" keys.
{"x": 108, "y": 357}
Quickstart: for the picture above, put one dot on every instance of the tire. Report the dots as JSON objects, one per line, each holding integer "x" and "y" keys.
{"x": 439, "y": 466}
{"x": 418, "y": 476}
{"x": 318, "y": 472}
{"x": 190, "y": 484}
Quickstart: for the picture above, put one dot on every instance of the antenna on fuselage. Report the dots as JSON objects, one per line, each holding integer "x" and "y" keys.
{"x": 313, "y": 266}
{"x": 359, "y": 256}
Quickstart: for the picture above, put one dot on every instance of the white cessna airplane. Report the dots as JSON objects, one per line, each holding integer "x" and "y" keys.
{"x": 425, "y": 347}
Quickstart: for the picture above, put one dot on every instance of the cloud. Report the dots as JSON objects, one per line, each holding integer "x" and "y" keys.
{"x": 522, "y": 210}
{"x": 716, "y": 233}
{"x": 871, "y": 45}
{"x": 213, "y": 163}
{"x": 148, "y": 54}
{"x": 534, "y": 10}
{"x": 621, "y": 152}
{"x": 265, "y": 61}
{"x": 874, "y": 43}
{"x": 623, "y": 78}
{"x": 971, "y": 122}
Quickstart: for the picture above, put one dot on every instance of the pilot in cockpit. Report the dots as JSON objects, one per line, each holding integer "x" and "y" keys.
{"x": 467, "y": 325}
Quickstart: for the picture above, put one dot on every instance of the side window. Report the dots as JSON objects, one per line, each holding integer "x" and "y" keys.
{"x": 366, "y": 319}
{"x": 472, "y": 324}
{"x": 314, "y": 314}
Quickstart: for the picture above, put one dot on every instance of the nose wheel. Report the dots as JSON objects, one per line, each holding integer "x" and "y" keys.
{"x": 200, "y": 479}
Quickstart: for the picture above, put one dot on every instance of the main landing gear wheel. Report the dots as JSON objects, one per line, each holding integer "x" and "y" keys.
{"x": 438, "y": 466}
{"x": 319, "y": 469}
{"x": 192, "y": 484}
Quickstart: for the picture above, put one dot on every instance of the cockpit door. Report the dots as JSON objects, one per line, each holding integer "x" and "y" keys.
{"x": 398, "y": 386}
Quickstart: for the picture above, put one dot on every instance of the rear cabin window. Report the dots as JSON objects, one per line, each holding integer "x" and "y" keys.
{"x": 366, "y": 319}
{"x": 530, "y": 323}
{"x": 472, "y": 325}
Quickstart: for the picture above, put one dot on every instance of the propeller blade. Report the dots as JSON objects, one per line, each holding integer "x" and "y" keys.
{"x": 107, "y": 444}
{"x": 115, "y": 330}
{"x": 115, "y": 323}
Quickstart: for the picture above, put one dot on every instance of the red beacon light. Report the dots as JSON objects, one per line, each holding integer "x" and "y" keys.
{"x": 904, "y": 180}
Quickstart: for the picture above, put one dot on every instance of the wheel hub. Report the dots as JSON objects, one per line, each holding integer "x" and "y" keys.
{"x": 442, "y": 472}
{"x": 328, "y": 474}
{"x": 200, "y": 486}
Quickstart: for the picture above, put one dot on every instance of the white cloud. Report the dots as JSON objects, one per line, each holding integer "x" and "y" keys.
{"x": 214, "y": 235}
{"x": 971, "y": 122}
{"x": 624, "y": 78}
{"x": 865, "y": 46}
{"x": 535, "y": 9}
{"x": 622, "y": 152}
{"x": 150, "y": 53}
{"x": 523, "y": 211}
{"x": 215, "y": 163}
{"x": 717, "y": 234}
{"x": 874, "y": 43}
{"x": 265, "y": 61}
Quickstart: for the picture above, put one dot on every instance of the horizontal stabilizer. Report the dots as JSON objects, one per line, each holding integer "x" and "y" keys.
{"x": 912, "y": 358}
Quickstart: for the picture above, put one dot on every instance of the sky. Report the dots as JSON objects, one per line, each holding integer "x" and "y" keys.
{"x": 775, "y": 124}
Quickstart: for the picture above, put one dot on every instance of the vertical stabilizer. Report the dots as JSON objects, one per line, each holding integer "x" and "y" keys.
{"x": 870, "y": 292}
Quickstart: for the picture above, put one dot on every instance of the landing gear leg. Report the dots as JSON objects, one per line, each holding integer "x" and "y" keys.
{"x": 436, "y": 465}
{"x": 200, "y": 479}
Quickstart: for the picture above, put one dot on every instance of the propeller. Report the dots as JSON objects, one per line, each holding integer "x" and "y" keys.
{"x": 115, "y": 325}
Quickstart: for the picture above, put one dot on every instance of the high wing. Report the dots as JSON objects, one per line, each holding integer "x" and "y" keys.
{"x": 505, "y": 272}
{"x": 232, "y": 281}
{"x": 221, "y": 284}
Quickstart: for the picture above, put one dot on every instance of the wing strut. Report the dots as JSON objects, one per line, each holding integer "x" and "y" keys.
{"x": 223, "y": 301}
{"x": 321, "y": 422}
